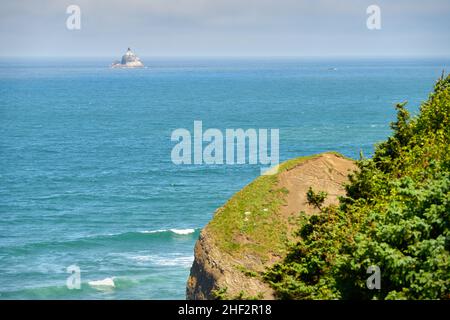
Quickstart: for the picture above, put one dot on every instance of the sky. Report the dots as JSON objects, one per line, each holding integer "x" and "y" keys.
{"x": 313, "y": 28}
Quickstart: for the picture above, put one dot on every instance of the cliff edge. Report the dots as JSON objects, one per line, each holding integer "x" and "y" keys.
{"x": 251, "y": 231}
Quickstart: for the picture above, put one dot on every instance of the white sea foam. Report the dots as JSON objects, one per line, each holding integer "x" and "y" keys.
{"x": 142, "y": 258}
{"x": 154, "y": 231}
{"x": 177, "y": 231}
{"x": 182, "y": 231}
{"x": 105, "y": 283}
{"x": 168, "y": 261}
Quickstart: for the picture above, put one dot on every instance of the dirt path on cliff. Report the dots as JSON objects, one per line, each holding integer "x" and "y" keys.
{"x": 328, "y": 173}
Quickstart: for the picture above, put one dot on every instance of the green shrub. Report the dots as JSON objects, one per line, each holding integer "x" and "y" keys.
{"x": 395, "y": 215}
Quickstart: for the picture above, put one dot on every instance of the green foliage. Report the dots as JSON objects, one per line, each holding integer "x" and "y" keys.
{"x": 396, "y": 215}
{"x": 220, "y": 294}
{"x": 243, "y": 296}
{"x": 247, "y": 272}
{"x": 316, "y": 199}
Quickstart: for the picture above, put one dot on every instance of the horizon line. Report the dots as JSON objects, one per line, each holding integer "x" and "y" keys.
{"x": 440, "y": 56}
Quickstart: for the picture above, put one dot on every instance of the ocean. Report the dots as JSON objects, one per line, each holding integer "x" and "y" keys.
{"x": 85, "y": 156}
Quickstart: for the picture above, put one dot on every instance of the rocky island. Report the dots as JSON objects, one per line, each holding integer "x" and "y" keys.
{"x": 129, "y": 60}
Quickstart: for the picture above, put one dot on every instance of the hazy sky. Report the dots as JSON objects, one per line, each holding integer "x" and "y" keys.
{"x": 225, "y": 28}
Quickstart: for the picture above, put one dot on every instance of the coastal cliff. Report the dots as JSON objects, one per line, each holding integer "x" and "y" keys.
{"x": 251, "y": 231}
{"x": 394, "y": 217}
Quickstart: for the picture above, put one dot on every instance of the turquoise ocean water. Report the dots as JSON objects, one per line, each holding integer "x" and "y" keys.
{"x": 86, "y": 176}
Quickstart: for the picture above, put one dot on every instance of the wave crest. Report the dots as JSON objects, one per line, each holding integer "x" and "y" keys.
{"x": 176, "y": 231}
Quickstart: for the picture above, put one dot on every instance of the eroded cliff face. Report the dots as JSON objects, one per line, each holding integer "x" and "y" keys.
{"x": 234, "y": 247}
{"x": 213, "y": 270}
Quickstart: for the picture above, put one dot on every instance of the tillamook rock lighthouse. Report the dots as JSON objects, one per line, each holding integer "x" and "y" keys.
{"x": 129, "y": 60}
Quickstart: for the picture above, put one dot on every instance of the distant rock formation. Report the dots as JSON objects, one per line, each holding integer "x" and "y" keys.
{"x": 129, "y": 60}
{"x": 232, "y": 269}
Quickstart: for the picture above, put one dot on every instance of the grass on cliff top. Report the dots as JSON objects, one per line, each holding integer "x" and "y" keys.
{"x": 250, "y": 221}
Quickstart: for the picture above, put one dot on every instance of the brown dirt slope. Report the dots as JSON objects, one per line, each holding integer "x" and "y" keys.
{"x": 233, "y": 268}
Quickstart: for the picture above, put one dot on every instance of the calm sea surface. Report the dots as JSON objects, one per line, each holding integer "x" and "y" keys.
{"x": 86, "y": 176}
